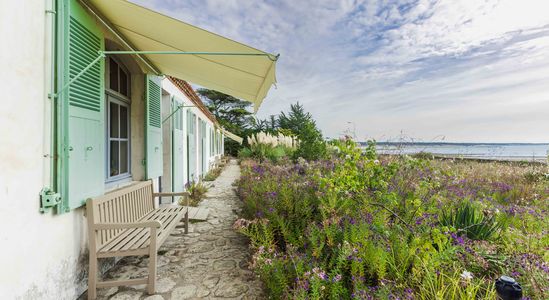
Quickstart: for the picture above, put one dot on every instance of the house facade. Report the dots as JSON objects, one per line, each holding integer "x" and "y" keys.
{"x": 86, "y": 113}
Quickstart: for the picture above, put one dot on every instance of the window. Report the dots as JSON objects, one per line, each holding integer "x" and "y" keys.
{"x": 118, "y": 78}
{"x": 118, "y": 122}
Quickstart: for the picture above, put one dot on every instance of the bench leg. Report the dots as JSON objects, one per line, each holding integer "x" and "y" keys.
{"x": 151, "y": 286}
{"x": 187, "y": 221}
{"x": 92, "y": 278}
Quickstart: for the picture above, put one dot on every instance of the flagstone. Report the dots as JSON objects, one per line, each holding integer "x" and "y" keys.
{"x": 211, "y": 262}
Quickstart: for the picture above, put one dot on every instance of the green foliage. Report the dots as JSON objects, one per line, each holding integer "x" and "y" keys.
{"x": 235, "y": 115}
{"x": 443, "y": 286}
{"x": 311, "y": 144}
{"x": 295, "y": 119}
{"x": 301, "y": 124}
{"x": 212, "y": 174}
{"x": 264, "y": 152}
{"x": 423, "y": 155}
{"x": 231, "y": 113}
{"x": 467, "y": 219}
{"x": 197, "y": 192}
{"x": 360, "y": 226}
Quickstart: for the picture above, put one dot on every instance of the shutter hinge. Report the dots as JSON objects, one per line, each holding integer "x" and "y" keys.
{"x": 48, "y": 199}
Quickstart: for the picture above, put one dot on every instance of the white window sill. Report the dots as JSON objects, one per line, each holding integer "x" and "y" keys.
{"x": 118, "y": 184}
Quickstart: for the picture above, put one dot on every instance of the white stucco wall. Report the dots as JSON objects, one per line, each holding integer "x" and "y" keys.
{"x": 169, "y": 87}
{"x": 39, "y": 253}
{"x": 42, "y": 256}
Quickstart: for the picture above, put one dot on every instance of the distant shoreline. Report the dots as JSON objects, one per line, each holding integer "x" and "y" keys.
{"x": 516, "y": 152}
{"x": 453, "y": 144}
{"x": 515, "y": 159}
{"x": 536, "y": 159}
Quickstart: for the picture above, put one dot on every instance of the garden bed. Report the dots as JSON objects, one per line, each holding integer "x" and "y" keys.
{"x": 366, "y": 227}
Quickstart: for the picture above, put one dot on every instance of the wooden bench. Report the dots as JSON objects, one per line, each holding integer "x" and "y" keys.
{"x": 126, "y": 223}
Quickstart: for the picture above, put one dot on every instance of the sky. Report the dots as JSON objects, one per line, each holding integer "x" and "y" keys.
{"x": 414, "y": 70}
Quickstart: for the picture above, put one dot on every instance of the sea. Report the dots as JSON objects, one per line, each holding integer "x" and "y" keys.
{"x": 490, "y": 151}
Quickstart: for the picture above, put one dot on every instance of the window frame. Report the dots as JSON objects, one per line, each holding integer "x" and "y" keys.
{"x": 122, "y": 67}
{"x": 120, "y": 100}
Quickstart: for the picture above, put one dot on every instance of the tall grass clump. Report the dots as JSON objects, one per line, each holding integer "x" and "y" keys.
{"x": 467, "y": 219}
{"x": 264, "y": 146}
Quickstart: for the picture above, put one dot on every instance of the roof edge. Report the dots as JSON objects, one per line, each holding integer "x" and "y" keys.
{"x": 188, "y": 90}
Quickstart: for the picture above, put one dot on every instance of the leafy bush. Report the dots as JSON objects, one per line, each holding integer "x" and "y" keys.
{"x": 311, "y": 144}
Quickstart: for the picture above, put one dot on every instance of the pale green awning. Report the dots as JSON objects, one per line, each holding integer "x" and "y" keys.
{"x": 245, "y": 77}
{"x": 233, "y": 136}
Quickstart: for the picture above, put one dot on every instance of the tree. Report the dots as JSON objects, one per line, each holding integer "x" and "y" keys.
{"x": 296, "y": 119}
{"x": 231, "y": 113}
{"x": 302, "y": 124}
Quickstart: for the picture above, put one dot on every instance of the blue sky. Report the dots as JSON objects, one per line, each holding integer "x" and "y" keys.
{"x": 452, "y": 70}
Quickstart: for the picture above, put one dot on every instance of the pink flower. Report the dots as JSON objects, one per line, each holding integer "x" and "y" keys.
{"x": 241, "y": 224}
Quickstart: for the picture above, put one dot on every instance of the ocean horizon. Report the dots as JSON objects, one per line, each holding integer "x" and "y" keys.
{"x": 504, "y": 151}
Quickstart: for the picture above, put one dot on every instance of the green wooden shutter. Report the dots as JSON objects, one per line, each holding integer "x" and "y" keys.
{"x": 204, "y": 149}
{"x": 81, "y": 129}
{"x": 154, "y": 125}
{"x": 191, "y": 147}
{"x": 178, "y": 162}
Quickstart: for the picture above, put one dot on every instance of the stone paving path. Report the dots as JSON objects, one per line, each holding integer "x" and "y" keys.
{"x": 211, "y": 262}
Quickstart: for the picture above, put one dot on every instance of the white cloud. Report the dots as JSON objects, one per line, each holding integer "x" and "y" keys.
{"x": 472, "y": 70}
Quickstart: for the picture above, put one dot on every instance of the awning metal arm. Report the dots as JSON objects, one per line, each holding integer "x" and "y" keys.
{"x": 103, "y": 54}
{"x": 75, "y": 78}
{"x": 119, "y": 36}
{"x": 268, "y": 55}
{"x": 173, "y": 112}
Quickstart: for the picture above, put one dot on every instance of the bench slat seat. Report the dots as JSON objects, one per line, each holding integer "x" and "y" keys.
{"x": 139, "y": 238}
{"x": 127, "y": 222}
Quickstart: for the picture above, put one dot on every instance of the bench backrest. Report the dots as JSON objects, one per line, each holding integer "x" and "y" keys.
{"x": 125, "y": 205}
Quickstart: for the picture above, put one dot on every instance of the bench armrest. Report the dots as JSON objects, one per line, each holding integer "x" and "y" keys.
{"x": 171, "y": 194}
{"x": 151, "y": 224}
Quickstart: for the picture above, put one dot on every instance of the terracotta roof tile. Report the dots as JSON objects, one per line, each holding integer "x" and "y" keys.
{"x": 188, "y": 90}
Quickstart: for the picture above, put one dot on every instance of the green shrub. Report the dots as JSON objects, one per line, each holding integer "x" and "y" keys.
{"x": 311, "y": 144}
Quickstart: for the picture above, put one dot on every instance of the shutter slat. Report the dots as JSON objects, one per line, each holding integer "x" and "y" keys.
{"x": 154, "y": 126}
{"x": 82, "y": 126}
{"x": 84, "y": 46}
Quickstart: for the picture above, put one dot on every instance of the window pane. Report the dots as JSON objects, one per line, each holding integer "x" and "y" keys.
{"x": 123, "y": 122}
{"x": 123, "y": 83}
{"x": 123, "y": 157}
{"x": 114, "y": 163}
{"x": 114, "y": 120}
{"x": 113, "y": 75}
